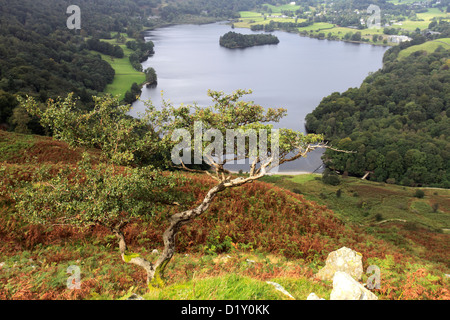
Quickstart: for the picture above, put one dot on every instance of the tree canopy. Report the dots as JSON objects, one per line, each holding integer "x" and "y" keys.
{"x": 234, "y": 40}
{"x": 122, "y": 187}
{"x": 397, "y": 121}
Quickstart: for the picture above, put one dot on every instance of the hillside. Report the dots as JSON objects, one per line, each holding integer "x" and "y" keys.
{"x": 348, "y": 20}
{"x": 428, "y": 47}
{"x": 286, "y": 238}
{"x": 397, "y": 121}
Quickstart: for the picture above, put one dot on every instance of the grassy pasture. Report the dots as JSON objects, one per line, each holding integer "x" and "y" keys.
{"x": 429, "y": 47}
{"x": 125, "y": 74}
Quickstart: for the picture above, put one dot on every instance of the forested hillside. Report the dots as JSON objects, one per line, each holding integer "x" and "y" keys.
{"x": 397, "y": 122}
{"x": 40, "y": 56}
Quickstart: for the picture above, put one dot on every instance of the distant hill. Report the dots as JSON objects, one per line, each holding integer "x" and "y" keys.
{"x": 398, "y": 120}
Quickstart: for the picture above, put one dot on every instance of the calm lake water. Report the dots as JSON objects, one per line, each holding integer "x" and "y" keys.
{"x": 295, "y": 74}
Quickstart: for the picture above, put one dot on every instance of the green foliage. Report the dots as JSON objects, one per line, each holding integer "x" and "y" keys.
{"x": 150, "y": 76}
{"x": 7, "y": 104}
{"x": 229, "y": 112}
{"x": 105, "y": 48}
{"x": 397, "y": 122}
{"x": 419, "y": 194}
{"x": 128, "y": 257}
{"x": 122, "y": 139}
{"x": 230, "y": 286}
{"x": 331, "y": 178}
{"x": 87, "y": 194}
{"x": 236, "y": 40}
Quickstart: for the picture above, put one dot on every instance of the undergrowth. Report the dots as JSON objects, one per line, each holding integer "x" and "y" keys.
{"x": 249, "y": 235}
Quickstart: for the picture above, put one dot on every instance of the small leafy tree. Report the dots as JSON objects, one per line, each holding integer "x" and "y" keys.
{"x": 330, "y": 177}
{"x": 150, "y": 76}
{"x": 111, "y": 195}
{"x": 87, "y": 194}
{"x": 122, "y": 139}
{"x": 419, "y": 194}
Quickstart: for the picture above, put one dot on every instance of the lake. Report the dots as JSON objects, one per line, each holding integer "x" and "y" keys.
{"x": 295, "y": 74}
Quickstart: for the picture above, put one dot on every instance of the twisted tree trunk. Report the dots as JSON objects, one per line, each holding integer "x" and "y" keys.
{"x": 155, "y": 271}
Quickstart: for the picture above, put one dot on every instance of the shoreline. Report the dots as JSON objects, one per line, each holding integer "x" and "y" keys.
{"x": 230, "y": 22}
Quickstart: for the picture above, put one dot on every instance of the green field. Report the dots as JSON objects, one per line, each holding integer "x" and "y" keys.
{"x": 249, "y": 18}
{"x": 285, "y": 7}
{"x": 401, "y": 1}
{"x": 319, "y": 26}
{"x": 365, "y": 202}
{"x": 429, "y": 47}
{"x": 423, "y": 21}
{"x": 125, "y": 75}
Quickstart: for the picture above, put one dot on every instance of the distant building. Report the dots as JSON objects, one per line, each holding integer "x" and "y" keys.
{"x": 430, "y": 33}
{"x": 398, "y": 39}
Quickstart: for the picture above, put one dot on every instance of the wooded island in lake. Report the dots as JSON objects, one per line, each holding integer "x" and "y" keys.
{"x": 234, "y": 40}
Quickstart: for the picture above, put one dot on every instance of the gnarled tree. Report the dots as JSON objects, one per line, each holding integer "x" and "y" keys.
{"x": 112, "y": 199}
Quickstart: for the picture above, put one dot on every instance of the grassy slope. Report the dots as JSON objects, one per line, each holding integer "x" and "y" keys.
{"x": 125, "y": 74}
{"x": 429, "y": 47}
{"x": 366, "y": 202}
{"x": 241, "y": 243}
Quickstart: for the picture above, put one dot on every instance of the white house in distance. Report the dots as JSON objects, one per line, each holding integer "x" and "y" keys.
{"x": 398, "y": 39}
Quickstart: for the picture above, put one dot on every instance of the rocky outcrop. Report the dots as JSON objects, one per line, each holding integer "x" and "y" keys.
{"x": 345, "y": 260}
{"x": 347, "y": 288}
{"x": 313, "y": 296}
{"x": 344, "y": 267}
{"x": 280, "y": 288}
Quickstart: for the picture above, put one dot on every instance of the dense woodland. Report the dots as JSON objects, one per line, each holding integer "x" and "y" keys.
{"x": 397, "y": 122}
{"x": 392, "y": 116}
{"x": 234, "y": 40}
{"x": 40, "y": 56}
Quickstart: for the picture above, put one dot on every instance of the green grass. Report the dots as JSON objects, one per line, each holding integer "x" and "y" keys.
{"x": 432, "y": 13}
{"x": 249, "y": 18}
{"x": 250, "y": 14}
{"x": 318, "y": 26}
{"x": 34, "y": 259}
{"x": 429, "y": 47}
{"x": 366, "y": 202}
{"x": 125, "y": 74}
{"x": 423, "y": 21}
{"x": 14, "y": 143}
{"x": 238, "y": 287}
{"x": 402, "y": 1}
{"x": 228, "y": 287}
{"x": 285, "y": 7}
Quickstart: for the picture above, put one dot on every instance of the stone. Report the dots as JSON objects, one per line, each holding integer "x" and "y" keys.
{"x": 347, "y": 288}
{"x": 345, "y": 260}
{"x": 134, "y": 296}
{"x": 280, "y": 288}
{"x": 313, "y": 296}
